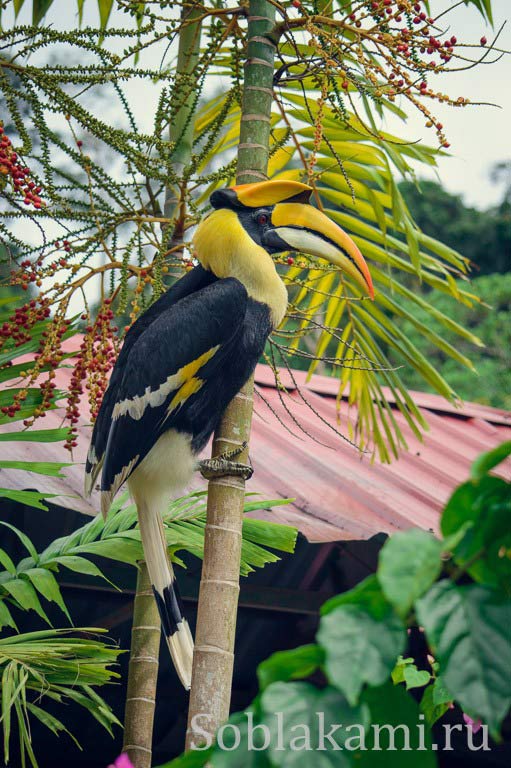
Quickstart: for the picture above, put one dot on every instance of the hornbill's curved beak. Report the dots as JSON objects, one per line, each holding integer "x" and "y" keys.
{"x": 292, "y": 224}
{"x": 299, "y": 227}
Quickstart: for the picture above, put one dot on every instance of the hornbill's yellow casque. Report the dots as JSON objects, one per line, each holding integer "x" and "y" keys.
{"x": 191, "y": 352}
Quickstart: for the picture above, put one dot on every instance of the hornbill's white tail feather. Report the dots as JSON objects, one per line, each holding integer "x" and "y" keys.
{"x": 174, "y": 625}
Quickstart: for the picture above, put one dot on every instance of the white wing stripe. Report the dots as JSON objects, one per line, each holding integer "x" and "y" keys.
{"x": 135, "y": 406}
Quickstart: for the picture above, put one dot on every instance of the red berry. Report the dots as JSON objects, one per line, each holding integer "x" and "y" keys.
{"x": 483, "y": 40}
{"x": 290, "y": 260}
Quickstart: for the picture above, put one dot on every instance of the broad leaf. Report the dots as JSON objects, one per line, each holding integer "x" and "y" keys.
{"x": 36, "y": 435}
{"x": 50, "y": 468}
{"x": 28, "y": 498}
{"x": 397, "y": 737}
{"x": 361, "y": 646}
{"x": 289, "y": 665}
{"x": 490, "y": 459}
{"x": 435, "y": 701}
{"x": 483, "y": 509}
{"x": 468, "y": 630}
{"x": 409, "y": 563}
{"x": 307, "y": 716}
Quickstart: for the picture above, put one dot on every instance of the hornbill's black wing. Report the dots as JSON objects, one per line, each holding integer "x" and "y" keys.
{"x": 192, "y": 281}
{"x": 180, "y": 354}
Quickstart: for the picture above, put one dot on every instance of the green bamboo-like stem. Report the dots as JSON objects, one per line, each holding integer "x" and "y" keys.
{"x": 142, "y": 675}
{"x": 218, "y": 598}
{"x": 181, "y": 123}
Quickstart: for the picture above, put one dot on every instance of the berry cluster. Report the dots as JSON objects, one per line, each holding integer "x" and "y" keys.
{"x": 19, "y": 325}
{"x": 406, "y": 46}
{"x": 12, "y": 168}
{"x": 96, "y": 358}
{"x": 20, "y": 328}
{"x": 34, "y": 272}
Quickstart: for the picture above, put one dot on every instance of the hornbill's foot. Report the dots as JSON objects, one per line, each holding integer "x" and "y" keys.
{"x": 222, "y": 466}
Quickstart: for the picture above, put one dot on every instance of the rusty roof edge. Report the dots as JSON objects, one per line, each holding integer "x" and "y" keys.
{"x": 329, "y": 387}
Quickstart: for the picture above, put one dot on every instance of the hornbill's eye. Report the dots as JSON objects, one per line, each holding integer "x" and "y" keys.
{"x": 262, "y": 218}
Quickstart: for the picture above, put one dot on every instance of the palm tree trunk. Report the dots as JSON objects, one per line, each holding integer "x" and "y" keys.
{"x": 142, "y": 674}
{"x": 218, "y": 598}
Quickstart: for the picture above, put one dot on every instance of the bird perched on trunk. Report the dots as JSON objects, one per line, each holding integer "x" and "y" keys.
{"x": 186, "y": 357}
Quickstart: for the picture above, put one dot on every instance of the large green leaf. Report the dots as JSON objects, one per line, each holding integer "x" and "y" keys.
{"x": 490, "y": 459}
{"x": 45, "y": 582}
{"x": 51, "y": 468}
{"x": 397, "y": 737}
{"x": 25, "y": 595}
{"x": 361, "y": 645}
{"x": 481, "y": 511}
{"x": 36, "y": 435}
{"x": 289, "y": 665}
{"x": 28, "y": 498}
{"x": 468, "y": 630}
{"x": 435, "y": 701}
{"x": 409, "y": 563}
{"x": 307, "y": 715}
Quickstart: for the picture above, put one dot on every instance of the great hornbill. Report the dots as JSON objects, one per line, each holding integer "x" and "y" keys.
{"x": 186, "y": 357}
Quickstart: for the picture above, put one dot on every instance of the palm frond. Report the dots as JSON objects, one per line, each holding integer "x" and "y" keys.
{"x": 58, "y": 666}
{"x": 117, "y": 538}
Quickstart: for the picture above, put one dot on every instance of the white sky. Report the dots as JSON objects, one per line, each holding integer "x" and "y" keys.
{"x": 479, "y": 136}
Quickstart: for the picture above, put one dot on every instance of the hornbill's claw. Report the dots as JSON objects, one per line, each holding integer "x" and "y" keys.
{"x": 222, "y": 466}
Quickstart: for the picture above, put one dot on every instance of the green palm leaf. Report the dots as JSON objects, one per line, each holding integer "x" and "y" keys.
{"x": 118, "y": 538}
{"x": 55, "y": 665}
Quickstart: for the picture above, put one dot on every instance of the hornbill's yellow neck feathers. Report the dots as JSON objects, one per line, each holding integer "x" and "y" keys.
{"x": 252, "y": 221}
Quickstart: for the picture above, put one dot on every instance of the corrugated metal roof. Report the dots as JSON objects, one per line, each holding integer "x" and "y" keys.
{"x": 338, "y": 493}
